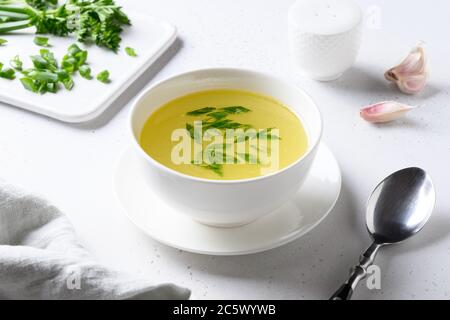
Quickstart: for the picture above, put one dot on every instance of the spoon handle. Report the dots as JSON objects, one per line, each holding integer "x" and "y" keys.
{"x": 357, "y": 273}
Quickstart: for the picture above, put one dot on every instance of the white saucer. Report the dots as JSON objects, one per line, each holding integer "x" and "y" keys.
{"x": 310, "y": 206}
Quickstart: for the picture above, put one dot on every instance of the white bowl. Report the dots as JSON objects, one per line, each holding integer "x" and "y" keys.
{"x": 226, "y": 203}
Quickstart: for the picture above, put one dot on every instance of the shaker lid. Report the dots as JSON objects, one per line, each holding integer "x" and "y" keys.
{"x": 325, "y": 17}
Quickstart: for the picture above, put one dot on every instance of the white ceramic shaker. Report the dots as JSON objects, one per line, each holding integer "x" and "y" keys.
{"x": 324, "y": 36}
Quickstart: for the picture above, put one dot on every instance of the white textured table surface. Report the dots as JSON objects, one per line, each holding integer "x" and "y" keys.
{"x": 73, "y": 165}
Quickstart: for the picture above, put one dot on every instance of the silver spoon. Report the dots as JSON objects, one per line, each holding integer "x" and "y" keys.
{"x": 398, "y": 208}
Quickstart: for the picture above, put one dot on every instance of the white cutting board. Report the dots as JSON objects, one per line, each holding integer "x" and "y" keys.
{"x": 150, "y": 37}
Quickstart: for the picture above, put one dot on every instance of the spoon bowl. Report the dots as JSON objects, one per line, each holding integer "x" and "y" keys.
{"x": 400, "y": 206}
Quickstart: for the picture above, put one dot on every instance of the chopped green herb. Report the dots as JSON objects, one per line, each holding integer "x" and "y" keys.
{"x": 85, "y": 72}
{"x": 218, "y": 115}
{"x": 29, "y": 84}
{"x": 216, "y": 118}
{"x": 235, "y": 110}
{"x": 218, "y": 124}
{"x": 196, "y": 136}
{"x": 201, "y": 111}
{"x": 43, "y": 76}
{"x": 62, "y": 75}
{"x": 68, "y": 83}
{"x": 50, "y": 58}
{"x": 3, "y": 41}
{"x": 69, "y": 64}
{"x": 8, "y": 73}
{"x": 267, "y": 135}
{"x": 190, "y": 129}
{"x": 249, "y": 158}
{"x": 52, "y": 87}
{"x": 16, "y": 63}
{"x": 81, "y": 57}
{"x": 74, "y": 59}
{"x": 46, "y": 74}
{"x": 40, "y": 63}
{"x": 131, "y": 52}
{"x": 41, "y": 41}
{"x": 216, "y": 168}
{"x": 73, "y": 50}
{"x": 103, "y": 76}
{"x": 224, "y": 124}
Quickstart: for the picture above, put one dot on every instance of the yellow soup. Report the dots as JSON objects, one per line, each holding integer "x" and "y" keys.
{"x": 224, "y": 135}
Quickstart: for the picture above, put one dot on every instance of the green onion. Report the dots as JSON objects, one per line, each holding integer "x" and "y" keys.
{"x": 41, "y": 41}
{"x": 201, "y": 111}
{"x": 235, "y": 110}
{"x": 28, "y": 84}
{"x": 8, "y": 73}
{"x": 40, "y": 62}
{"x": 131, "y": 52}
{"x": 103, "y": 76}
{"x": 85, "y": 72}
{"x": 217, "y": 118}
{"x": 44, "y": 76}
{"x": 216, "y": 168}
{"x": 68, "y": 83}
{"x": 16, "y": 63}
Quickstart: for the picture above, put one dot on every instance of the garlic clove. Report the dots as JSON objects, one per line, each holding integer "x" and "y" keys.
{"x": 413, "y": 84}
{"x": 384, "y": 111}
{"x": 414, "y": 62}
{"x": 412, "y": 74}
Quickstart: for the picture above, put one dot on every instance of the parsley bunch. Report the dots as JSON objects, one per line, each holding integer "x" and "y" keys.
{"x": 97, "y": 21}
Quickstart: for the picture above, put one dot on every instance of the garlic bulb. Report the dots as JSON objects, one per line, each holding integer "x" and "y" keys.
{"x": 384, "y": 111}
{"x": 412, "y": 74}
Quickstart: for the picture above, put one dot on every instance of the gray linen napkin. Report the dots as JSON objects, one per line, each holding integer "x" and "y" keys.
{"x": 41, "y": 258}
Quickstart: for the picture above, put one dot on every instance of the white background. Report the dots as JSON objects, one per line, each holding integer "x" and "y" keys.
{"x": 73, "y": 165}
